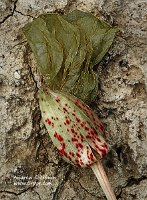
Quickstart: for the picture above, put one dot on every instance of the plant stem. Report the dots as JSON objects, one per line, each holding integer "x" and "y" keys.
{"x": 103, "y": 180}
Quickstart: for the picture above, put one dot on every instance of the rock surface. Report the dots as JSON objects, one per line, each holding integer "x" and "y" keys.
{"x": 30, "y": 166}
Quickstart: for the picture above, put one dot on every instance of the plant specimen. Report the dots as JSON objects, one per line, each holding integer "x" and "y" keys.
{"x": 66, "y": 49}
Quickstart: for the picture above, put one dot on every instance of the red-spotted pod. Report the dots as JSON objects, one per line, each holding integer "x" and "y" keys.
{"x": 73, "y": 127}
{"x": 77, "y": 133}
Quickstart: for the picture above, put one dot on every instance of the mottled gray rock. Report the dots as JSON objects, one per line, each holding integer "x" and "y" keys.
{"x": 30, "y": 166}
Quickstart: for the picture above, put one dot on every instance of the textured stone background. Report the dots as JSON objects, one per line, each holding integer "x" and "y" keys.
{"x": 26, "y": 150}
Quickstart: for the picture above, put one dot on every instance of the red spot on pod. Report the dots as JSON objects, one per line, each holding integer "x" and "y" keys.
{"x": 69, "y": 158}
{"x": 88, "y": 136}
{"x": 91, "y": 157}
{"x": 93, "y": 141}
{"x": 104, "y": 145}
{"x": 97, "y": 147}
{"x": 76, "y": 133}
{"x": 73, "y": 114}
{"x": 60, "y": 152}
{"x": 81, "y": 162}
{"x": 92, "y": 132}
{"x": 74, "y": 139}
{"x": 48, "y": 121}
{"x": 82, "y": 138}
{"x": 77, "y": 119}
{"x": 67, "y": 121}
{"x": 63, "y": 146}
{"x": 72, "y": 130}
{"x": 77, "y": 154}
{"x": 55, "y": 134}
{"x": 58, "y": 136}
{"x": 72, "y": 154}
{"x": 79, "y": 145}
{"x": 57, "y": 99}
{"x": 86, "y": 128}
{"x": 65, "y": 154}
{"x": 104, "y": 152}
{"x": 97, "y": 138}
{"x": 82, "y": 124}
{"x": 64, "y": 109}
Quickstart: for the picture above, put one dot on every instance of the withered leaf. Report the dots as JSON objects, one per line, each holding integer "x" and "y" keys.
{"x": 66, "y": 49}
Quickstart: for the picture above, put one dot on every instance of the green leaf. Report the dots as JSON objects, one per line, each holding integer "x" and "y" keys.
{"x": 46, "y": 48}
{"x": 86, "y": 85}
{"x": 66, "y": 49}
{"x": 99, "y": 33}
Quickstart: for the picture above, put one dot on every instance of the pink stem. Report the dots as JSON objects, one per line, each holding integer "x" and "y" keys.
{"x": 103, "y": 180}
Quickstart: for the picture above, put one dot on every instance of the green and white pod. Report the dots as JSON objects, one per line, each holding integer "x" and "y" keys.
{"x": 73, "y": 127}
{"x": 76, "y": 132}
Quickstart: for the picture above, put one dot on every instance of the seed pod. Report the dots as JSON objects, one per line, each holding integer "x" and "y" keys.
{"x": 76, "y": 132}
{"x": 73, "y": 127}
